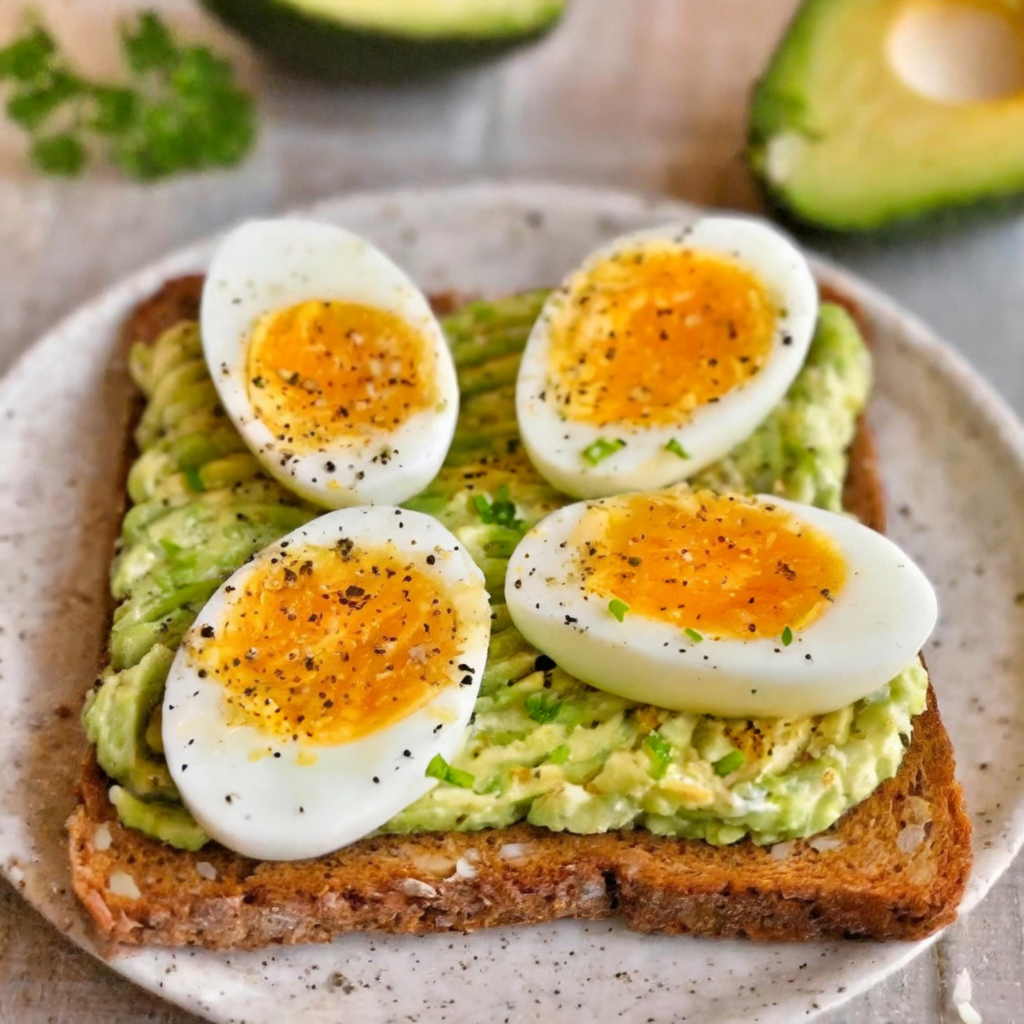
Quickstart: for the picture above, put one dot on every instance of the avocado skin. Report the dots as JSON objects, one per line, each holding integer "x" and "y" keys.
{"x": 321, "y": 48}
{"x": 779, "y": 103}
{"x": 955, "y": 217}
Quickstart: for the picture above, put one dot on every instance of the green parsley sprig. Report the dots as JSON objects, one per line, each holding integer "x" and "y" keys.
{"x": 179, "y": 110}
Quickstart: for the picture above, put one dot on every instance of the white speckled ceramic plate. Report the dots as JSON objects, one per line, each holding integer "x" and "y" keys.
{"x": 953, "y": 459}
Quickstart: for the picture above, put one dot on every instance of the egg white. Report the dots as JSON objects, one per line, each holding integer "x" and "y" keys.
{"x": 873, "y": 630}
{"x": 247, "y": 798}
{"x": 555, "y": 445}
{"x": 271, "y": 265}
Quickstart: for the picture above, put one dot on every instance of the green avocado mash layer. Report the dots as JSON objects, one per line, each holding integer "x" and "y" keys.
{"x": 543, "y": 747}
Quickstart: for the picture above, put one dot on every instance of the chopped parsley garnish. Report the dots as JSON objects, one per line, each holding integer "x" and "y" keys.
{"x": 618, "y": 608}
{"x": 439, "y": 768}
{"x": 732, "y": 762}
{"x": 601, "y": 449}
{"x": 676, "y": 448}
{"x": 179, "y": 110}
{"x": 543, "y": 707}
{"x": 693, "y": 635}
{"x": 787, "y": 637}
{"x": 560, "y": 754}
{"x": 500, "y": 512}
{"x": 659, "y": 750}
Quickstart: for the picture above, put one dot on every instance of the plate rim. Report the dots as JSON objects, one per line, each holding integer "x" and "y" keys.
{"x": 911, "y": 329}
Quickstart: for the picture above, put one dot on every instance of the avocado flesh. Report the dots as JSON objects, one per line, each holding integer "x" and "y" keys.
{"x": 168, "y": 822}
{"x": 438, "y": 18}
{"x": 116, "y": 717}
{"x": 391, "y": 41}
{"x": 841, "y": 141}
{"x": 580, "y": 762}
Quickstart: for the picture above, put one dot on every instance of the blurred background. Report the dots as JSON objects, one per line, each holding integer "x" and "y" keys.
{"x": 647, "y": 95}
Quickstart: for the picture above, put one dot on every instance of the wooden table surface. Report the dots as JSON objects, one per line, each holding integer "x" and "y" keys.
{"x": 643, "y": 94}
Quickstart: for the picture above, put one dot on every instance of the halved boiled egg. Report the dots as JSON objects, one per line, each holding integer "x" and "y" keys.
{"x": 322, "y": 680}
{"x": 663, "y": 351}
{"x": 329, "y": 361}
{"x": 724, "y": 605}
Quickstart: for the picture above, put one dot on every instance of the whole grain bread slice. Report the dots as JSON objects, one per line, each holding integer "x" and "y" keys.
{"x": 894, "y": 867}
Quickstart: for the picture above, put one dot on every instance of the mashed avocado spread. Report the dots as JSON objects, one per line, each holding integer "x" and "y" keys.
{"x": 543, "y": 747}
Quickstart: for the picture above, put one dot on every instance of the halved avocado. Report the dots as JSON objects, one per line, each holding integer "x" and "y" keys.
{"x": 387, "y": 40}
{"x": 875, "y": 111}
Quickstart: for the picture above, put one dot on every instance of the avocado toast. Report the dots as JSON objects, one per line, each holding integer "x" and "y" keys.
{"x": 865, "y": 876}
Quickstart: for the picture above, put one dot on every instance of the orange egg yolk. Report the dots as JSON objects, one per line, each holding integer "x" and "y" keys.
{"x": 650, "y": 335}
{"x": 723, "y": 566}
{"x": 327, "y": 646}
{"x": 329, "y": 371}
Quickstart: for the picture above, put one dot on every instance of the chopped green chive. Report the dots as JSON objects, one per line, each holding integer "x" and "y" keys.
{"x": 601, "y": 449}
{"x": 676, "y": 448}
{"x": 543, "y": 707}
{"x": 618, "y": 608}
{"x": 787, "y": 637}
{"x": 439, "y": 768}
{"x": 732, "y": 762}
{"x": 502, "y": 512}
{"x": 560, "y": 754}
{"x": 194, "y": 480}
{"x": 693, "y": 635}
{"x": 659, "y": 750}
{"x": 503, "y": 739}
{"x": 457, "y": 777}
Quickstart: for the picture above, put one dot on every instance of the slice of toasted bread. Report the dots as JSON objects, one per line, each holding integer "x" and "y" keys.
{"x": 894, "y": 867}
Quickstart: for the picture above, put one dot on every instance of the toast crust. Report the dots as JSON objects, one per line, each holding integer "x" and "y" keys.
{"x": 894, "y": 867}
